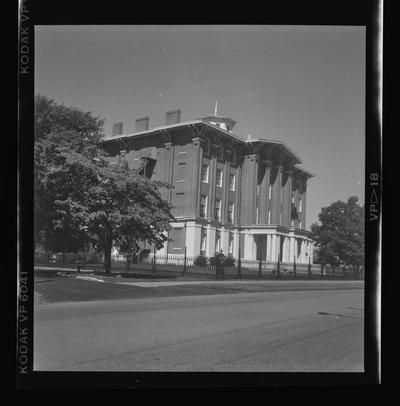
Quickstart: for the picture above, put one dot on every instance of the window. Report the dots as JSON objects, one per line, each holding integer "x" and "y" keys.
{"x": 217, "y": 241}
{"x": 269, "y": 191}
{"x": 231, "y": 181}
{"x": 269, "y": 216}
{"x": 257, "y": 211}
{"x": 292, "y": 223}
{"x": 258, "y": 190}
{"x": 203, "y": 206}
{"x": 293, "y": 199}
{"x": 300, "y": 205}
{"x": 300, "y": 224}
{"x": 204, "y": 173}
{"x": 281, "y": 195}
{"x": 231, "y": 208}
{"x": 218, "y": 180}
{"x": 218, "y": 209}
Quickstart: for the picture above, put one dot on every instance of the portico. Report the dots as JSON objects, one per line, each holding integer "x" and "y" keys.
{"x": 272, "y": 243}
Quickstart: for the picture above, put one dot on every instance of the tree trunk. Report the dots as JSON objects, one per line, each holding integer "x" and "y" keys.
{"x": 107, "y": 257}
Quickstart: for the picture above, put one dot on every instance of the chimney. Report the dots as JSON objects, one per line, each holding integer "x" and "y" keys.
{"x": 142, "y": 124}
{"x": 172, "y": 117}
{"x": 117, "y": 129}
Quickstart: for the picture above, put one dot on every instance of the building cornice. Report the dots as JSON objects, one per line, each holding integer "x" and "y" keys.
{"x": 254, "y": 145}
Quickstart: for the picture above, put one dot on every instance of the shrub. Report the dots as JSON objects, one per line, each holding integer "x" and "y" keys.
{"x": 215, "y": 260}
{"x": 200, "y": 260}
{"x": 229, "y": 261}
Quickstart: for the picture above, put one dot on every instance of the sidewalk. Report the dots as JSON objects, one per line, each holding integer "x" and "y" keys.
{"x": 156, "y": 284}
{"x": 115, "y": 272}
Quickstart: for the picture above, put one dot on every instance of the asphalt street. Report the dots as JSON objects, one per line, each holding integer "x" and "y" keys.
{"x": 282, "y": 331}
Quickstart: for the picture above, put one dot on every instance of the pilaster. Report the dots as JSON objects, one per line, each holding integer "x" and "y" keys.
{"x": 276, "y": 195}
{"x": 195, "y": 209}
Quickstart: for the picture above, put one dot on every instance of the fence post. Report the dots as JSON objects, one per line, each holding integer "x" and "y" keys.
{"x": 239, "y": 267}
{"x": 278, "y": 271}
{"x": 259, "y": 268}
{"x": 184, "y": 263}
{"x": 309, "y": 267}
{"x": 322, "y": 271}
{"x": 294, "y": 266}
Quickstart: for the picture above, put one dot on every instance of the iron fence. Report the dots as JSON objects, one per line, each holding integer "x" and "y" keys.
{"x": 184, "y": 265}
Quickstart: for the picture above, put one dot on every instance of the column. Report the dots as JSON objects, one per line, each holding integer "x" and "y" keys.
{"x": 287, "y": 194}
{"x": 283, "y": 249}
{"x": 291, "y": 251}
{"x": 302, "y": 195}
{"x": 168, "y": 169}
{"x": 225, "y": 191}
{"x": 287, "y": 241}
{"x": 211, "y": 194}
{"x": 249, "y": 247}
{"x": 254, "y": 246}
{"x": 193, "y": 237}
{"x": 296, "y": 198}
{"x": 263, "y": 198}
{"x": 303, "y": 252}
{"x": 269, "y": 237}
{"x": 236, "y": 237}
{"x": 312, "y": 251}
{"x": 249, "y": 180}
{"x": 276, "y": 194}
{"x": 273, "y": 248}
{"x": 278, "y": 247}
{"x": 224, "y": 240}
{"x": 195, "y": 209}
{"x": 210, "y": 245}
{"x": 238, "y": 191}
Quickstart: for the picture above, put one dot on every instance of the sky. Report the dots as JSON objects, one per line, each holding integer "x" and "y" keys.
{"x": 303, "y": 85}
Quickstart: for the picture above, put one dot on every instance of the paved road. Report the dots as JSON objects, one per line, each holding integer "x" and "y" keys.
{"x": 307, "y": 331}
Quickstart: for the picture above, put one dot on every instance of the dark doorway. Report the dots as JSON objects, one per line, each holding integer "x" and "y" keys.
{"x": 261, "y": 244}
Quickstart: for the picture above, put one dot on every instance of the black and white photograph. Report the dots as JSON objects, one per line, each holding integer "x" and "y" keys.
{"x": 199, "y": 199}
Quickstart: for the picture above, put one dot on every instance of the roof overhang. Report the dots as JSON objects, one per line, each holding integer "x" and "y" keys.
{"x": 303, "y": 172}
{"x": 229, "y": 134}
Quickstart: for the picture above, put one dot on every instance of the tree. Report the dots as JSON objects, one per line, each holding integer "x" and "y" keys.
{"x": 340, "y": 234}
{"x": 57, "y": 129}
{"x": 86, "y": 195}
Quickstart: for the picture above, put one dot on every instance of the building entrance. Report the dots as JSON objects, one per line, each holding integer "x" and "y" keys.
{"x": 261, "y": 244}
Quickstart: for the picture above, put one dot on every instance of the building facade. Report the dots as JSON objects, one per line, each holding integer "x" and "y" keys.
{"x": 244, "y": 197}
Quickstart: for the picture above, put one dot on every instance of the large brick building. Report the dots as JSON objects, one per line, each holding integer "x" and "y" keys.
{"x": 246, "y": 197}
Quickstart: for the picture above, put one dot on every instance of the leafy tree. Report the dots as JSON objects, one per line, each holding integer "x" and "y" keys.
{"x": 340, "y": 234}
{"x": 81, "y": 195}
{"x": 57, "y": 129}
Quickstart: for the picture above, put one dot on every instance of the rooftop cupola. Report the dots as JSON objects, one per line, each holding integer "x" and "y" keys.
{"x": 225, "y": 123}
